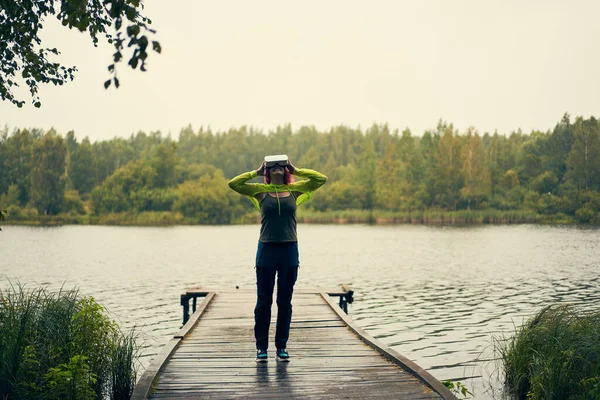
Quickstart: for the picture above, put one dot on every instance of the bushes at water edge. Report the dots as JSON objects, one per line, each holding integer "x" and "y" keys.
{"x": 554, "y": 355}
{"x": 57, "y": 345}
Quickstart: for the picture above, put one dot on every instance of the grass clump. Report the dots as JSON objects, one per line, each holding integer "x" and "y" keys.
{"x": 59, "y": 345}
{"x": 554, "y": 355}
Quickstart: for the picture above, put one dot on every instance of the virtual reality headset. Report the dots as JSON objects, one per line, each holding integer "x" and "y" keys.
{"x": 279, "y": 159}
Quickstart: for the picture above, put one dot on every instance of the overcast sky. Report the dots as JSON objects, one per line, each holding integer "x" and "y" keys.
{"x": 495, "y": 65}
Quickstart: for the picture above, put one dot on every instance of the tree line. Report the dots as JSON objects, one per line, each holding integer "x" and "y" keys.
{"x": 551, "y": 173}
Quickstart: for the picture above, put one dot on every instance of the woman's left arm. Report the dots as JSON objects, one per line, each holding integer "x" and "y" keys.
{"x": 307, "y": 186}
{"x": 315, "y": 180}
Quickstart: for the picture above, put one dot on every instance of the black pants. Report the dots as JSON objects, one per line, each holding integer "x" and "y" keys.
{"x": 272, "y": 259}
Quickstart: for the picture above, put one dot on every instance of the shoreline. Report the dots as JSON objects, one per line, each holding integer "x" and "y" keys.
{"x": 345, "y": 217}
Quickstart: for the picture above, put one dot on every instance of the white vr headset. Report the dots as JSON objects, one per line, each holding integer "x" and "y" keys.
{"x": 279, "y": 159}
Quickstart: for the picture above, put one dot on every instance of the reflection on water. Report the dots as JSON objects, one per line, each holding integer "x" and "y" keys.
{"x": 434, "y": 294}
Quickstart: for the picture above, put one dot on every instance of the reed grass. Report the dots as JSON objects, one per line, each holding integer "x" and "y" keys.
{"x": 554, "y": 355}
{"x": 427, "y": 217}
{"x": 61, "y": 345}
{"x": 306, "y": 215}
{"x": 125, "y": 353}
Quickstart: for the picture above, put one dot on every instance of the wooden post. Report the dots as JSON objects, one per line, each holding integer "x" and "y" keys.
{"x": 345, "y": 297}
{"x": 194, "y": 305}
{"x": 343, "y": 304}
{"x": 185, "y": 302}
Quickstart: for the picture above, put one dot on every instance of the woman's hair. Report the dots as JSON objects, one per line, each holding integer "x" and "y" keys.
{"x": 287, "y": 177}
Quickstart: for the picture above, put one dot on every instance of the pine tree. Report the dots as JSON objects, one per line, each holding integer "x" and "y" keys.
{"x": 447, "y": 177}
{"x": 81, "y": 167}
{"x": 50, "y": 159}
{"x": 474, "y": 169}
{"x": 584, "y": 160}
{"x": 367, "y": 165}
{"x": 390, "y": 188}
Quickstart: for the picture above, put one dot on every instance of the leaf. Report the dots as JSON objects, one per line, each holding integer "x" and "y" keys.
{"x": 156, "y": 46}
{"x": 117, "y": 84}
{"x": 37, "y": 104}
{"x": 107, "y": 84}
{"x": 131, "y": 13}
{"x": 111, "y": 67}
{"x": 133, "y": 30}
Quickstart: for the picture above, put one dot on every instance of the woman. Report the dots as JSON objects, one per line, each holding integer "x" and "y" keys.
{"x": 277, "y": 252}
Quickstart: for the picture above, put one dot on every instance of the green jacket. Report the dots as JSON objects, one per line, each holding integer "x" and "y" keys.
{"x": 306, "y": 187}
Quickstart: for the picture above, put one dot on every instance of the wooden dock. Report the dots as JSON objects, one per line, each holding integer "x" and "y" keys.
{"x": 331, "y": 357}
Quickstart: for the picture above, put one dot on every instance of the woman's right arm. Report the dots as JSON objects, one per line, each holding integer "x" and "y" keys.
{"x": 239, "y": 184}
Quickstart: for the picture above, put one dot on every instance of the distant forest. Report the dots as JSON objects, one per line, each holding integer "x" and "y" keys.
{"x": 44, "y": 175}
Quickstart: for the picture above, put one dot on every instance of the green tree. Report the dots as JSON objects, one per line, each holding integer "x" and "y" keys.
{"x": 510, "y": 179}
{"x": 16, "y": 156}
{"x": 367, "y": 168}
{"x": 531, "y": 157}
{"x": 81, "y": 168}
{"x": 340, "y": 195}
{"x": 71, "y": 141}
{"x": 195, "y": 171}
{"x": 390, "y": 188}
{"x": 415, "y": 173}
{"x": 474, "y": 169}
{"x": 120, "y": 191}
{"x": 23, "y": 57}
{"x": 447, "y": 178}
{"x": 164, "y": 161}
{"x": 546, "y": 182}
{"x": 427, "y": 149}
{"x": 310, "y": 157}
{"x": 559, "y": 146}
{"x": 50, "y": 159}
{"x": 208, "y": 200}
{"x": 494, "y": 163}
{"x": 583, "y": 161}
{"x": 330, "y": 166}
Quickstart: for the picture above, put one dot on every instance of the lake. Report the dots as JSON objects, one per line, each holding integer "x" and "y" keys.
{"x": 435, "y": 294}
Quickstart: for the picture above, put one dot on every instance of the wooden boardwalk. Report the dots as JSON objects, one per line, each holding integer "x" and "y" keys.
{"x": 213, "y": 357}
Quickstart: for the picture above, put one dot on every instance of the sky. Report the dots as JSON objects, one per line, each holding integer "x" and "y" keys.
{"x": 493, "y": 65}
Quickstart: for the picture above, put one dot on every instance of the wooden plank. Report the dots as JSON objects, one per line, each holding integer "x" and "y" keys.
{"x": 144, "y": 384}
{"x": 215, "y": 356}
{"x": 392, "y": 355}
{"x": 142, "y": 387}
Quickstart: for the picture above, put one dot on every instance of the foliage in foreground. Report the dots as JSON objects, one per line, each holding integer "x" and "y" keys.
{"x": 555, "y": 355}
{"x": 62, "y": 346}
{"x": 24, "y": 57}
{"x": 457, "y": 388}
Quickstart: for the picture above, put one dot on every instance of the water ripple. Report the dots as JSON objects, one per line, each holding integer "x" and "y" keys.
{"x": 435, "y": 294}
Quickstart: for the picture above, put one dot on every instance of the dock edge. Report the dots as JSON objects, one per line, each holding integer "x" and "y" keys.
{"x": 392, "y": 355}
{"x": 143, "y": 386}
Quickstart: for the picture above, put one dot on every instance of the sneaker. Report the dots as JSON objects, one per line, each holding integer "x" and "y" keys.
{"x": 261, "y": 356}
{"x": 282, "y": 355}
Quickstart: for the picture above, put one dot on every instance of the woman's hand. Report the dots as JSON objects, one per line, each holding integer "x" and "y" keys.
{"x": 290, "y": 167}
{"x": 261, "y": 170}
